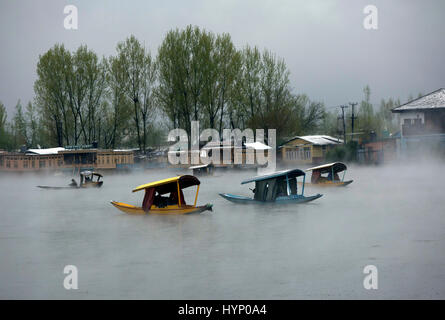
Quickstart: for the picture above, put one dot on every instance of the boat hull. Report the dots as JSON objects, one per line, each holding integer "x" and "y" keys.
{"x": 330, "y": 184}
{"x": 280, "y": 200}
{"x": 169, "y": 210}
{"x": 93, "y": 184}
{"x": 83, "y": 186}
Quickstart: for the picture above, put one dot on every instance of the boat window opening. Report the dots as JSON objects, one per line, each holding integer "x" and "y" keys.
{"x": 293, "y": 186}
{"x": 266, "y": 189}
{"x": 282, "y": 189}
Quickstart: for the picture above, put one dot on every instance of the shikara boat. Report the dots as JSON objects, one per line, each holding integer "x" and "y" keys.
{"x": 276, "y": 188}
{"x": 155, "y": 201}
{"x": 326, "y": 175}
{"x": 202, "y": 170}
{"x": 88, "y": 179}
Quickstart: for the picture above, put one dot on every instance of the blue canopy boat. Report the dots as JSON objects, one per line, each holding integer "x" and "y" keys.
{"x": 278, "y": 188}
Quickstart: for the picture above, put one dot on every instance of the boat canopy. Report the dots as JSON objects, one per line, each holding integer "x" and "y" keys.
{"x": 165, "y": 186}
{"x": 329, "y": 167}
{"x": 174, "y": 186}
{"x": 292, "y": 173}
{"x": 278, "y": 184}
{"x": 90, "y": 173}
{"x": 199, "y": 166}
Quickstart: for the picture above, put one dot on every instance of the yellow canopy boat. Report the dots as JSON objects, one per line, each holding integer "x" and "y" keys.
{"x": 326, "y": 175}
{"x": 155, "y": 202}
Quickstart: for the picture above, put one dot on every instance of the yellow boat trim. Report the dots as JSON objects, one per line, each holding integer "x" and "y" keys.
{"x": 179, "y": 193}
{"x": 156, "y": 183}
{"x": 196, "y": 197}
{"x": 169, "y": 210}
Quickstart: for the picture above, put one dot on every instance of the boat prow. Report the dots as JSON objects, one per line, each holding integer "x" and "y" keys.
{"x": 236, "y": 198}
{"x": 56, "y": 188}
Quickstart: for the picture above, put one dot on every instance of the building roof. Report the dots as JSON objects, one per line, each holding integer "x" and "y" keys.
{"x": 318, "y": 140}
{"x": 257, "y": 146}
{"x": 48, "y": 151}
{"x": 433, "y": 100}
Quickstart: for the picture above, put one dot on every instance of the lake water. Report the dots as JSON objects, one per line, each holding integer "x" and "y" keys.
{"x": 392, "y": 217}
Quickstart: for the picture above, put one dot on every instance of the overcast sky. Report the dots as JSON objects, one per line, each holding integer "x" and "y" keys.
{"x": 330, "y": 54}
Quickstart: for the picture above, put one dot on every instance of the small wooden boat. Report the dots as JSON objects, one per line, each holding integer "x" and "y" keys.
{"x": 87, "y": 180}
{"x": 155, "y": 201}
{"x": 276, "y": 188}
{"x": 326, "y": 175}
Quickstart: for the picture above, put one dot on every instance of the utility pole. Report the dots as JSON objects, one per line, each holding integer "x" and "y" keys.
{"x": 344, "y": 124}
{"x": 353, "y": 117}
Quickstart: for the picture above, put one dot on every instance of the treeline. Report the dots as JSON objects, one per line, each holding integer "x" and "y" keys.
{"x": 133, "y": 97}
{"x": 123, "y": 100}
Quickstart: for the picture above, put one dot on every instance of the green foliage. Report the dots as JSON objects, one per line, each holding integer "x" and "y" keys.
{"x": 197, "y": 73}
{"x": 69, "y": 90}
{"x": 133, "y": 77}
{"x": 19, "y": 127}
{"x": 346, "y": 152}
{"x": 203, "y": 77}
{"x": 369, "y": 122}
{"x": 4, "y": 135}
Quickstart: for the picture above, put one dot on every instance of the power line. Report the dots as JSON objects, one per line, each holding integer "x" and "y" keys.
{"x": 353, "y": 117}
{"x": 343, "y": 119}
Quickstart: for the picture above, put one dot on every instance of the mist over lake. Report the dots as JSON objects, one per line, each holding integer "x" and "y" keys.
{"x": 391, "y": 217}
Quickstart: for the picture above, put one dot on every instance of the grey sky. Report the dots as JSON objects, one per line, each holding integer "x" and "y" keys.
{"x": 330, "y": 55}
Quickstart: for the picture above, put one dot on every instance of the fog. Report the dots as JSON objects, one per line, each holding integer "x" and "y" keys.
{"x": 391, "y": 216}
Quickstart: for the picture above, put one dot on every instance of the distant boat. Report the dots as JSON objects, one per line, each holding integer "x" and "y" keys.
{"x": 155, "y": 201}
{"x": 331, "y": 178}
{"x": 276, "y": 188}
{"x": 88, "y": 179}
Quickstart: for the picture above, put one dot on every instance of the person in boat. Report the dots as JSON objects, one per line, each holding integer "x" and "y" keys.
{"x": 336, "y": 177}
{"x": 73, "y": 183}
{"x": 173, "y": 198}
{"x": 316, "y": 175}
{"x": 160, "y": 201}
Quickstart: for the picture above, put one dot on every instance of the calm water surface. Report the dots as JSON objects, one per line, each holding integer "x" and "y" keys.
{"x": 392, "y": 217}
